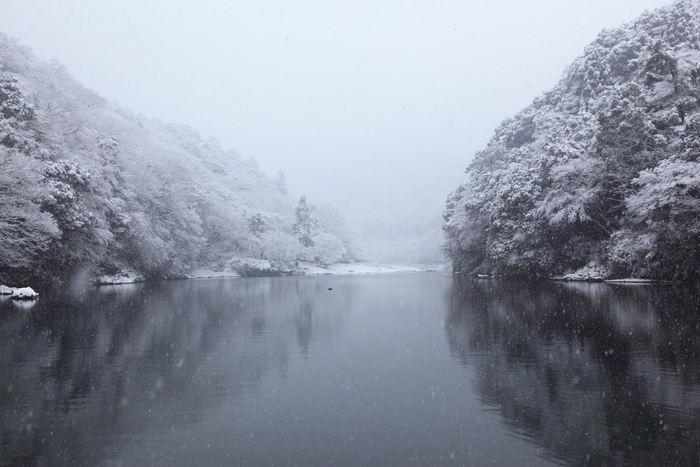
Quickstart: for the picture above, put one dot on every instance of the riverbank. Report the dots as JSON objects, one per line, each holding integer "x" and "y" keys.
{"x": 595, "y": 272}
{"x": 303, "y": 269}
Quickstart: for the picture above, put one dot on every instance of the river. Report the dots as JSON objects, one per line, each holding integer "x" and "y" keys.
{"x": 376, "y": 370}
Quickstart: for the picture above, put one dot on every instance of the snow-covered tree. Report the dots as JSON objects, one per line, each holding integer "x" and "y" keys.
{"x": 601, "y": 169}
{"x": 257, "y": 225}
{"x": 281, "y": 182}
{"x": 26, "y": 233}
{"x": 327, "y": 249}
{"x": 89, "y": 185}
{"x": 304, "y": 222}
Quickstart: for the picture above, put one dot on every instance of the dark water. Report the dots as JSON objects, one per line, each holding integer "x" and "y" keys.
{"x": 397, "y": 370}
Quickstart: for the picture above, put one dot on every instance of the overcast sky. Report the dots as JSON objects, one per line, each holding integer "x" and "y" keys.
{"x": 373, "y": 106}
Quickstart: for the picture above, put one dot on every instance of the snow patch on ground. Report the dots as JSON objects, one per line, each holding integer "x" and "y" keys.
{"x": 24, "y": 293}
{"x": 5, "y": 290}
{"x": 211, "y": 274}
{"x": 123, "y": 277}
{"x": 254, "y": 267}
{"x": 631, "y": 280}
{"x": 597, "y": 273}
{"x": 310, "y": 269}
{"x": 593, "y": 272}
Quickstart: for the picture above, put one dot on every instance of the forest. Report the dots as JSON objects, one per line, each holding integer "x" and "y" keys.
{"x": 87, "y": 187}
{"x": 599, "y": 177}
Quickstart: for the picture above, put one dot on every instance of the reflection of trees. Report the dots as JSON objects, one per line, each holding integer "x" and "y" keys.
{"x": 304, "y": 325}
{"x": 78, "y": 378}
{"x": 596, "y": 374}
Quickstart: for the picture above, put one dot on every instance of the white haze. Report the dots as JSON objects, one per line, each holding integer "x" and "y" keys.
{"x": 374, "y": 107}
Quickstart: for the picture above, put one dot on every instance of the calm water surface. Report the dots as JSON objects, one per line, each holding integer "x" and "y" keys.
{"x": 414, "y": 370}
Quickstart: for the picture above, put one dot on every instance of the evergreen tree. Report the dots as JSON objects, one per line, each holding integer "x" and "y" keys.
{"x": 281, "y": 182}
{"x": 304, "y": 223}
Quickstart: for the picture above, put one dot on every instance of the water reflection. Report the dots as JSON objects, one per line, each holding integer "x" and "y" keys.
{"x": 277, "y": 371}
{"x": 596, "y": 374}
{"x": 82, "y": 376}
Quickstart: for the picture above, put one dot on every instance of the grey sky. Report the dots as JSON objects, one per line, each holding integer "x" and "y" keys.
{"x": 373, "y": 106}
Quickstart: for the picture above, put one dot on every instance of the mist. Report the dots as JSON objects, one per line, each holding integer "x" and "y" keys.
{"x": 374, "y": 108}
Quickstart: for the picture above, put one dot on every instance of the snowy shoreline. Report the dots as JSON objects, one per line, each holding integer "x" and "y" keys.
{"x": 128, "y": 277}
{"x": 304, "y": 269}
{"x": 627, "y": 280}
{"x": 350, "y": 269}
{"x": 591, "y": 280}
{"x": 19, "y": 293}
{"x": 593, "y": 273}
{"x": 341, "y": 269}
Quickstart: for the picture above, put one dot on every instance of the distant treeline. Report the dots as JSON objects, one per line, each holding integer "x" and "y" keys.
{"x": 601, "y": 172}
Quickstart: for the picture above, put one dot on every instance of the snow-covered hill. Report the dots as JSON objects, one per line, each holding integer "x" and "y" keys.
{"x": 602, "y": 171}
{"x": 88, "y": 186}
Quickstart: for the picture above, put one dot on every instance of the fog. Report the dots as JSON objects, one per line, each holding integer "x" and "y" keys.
{"x": 373, "y": 107}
